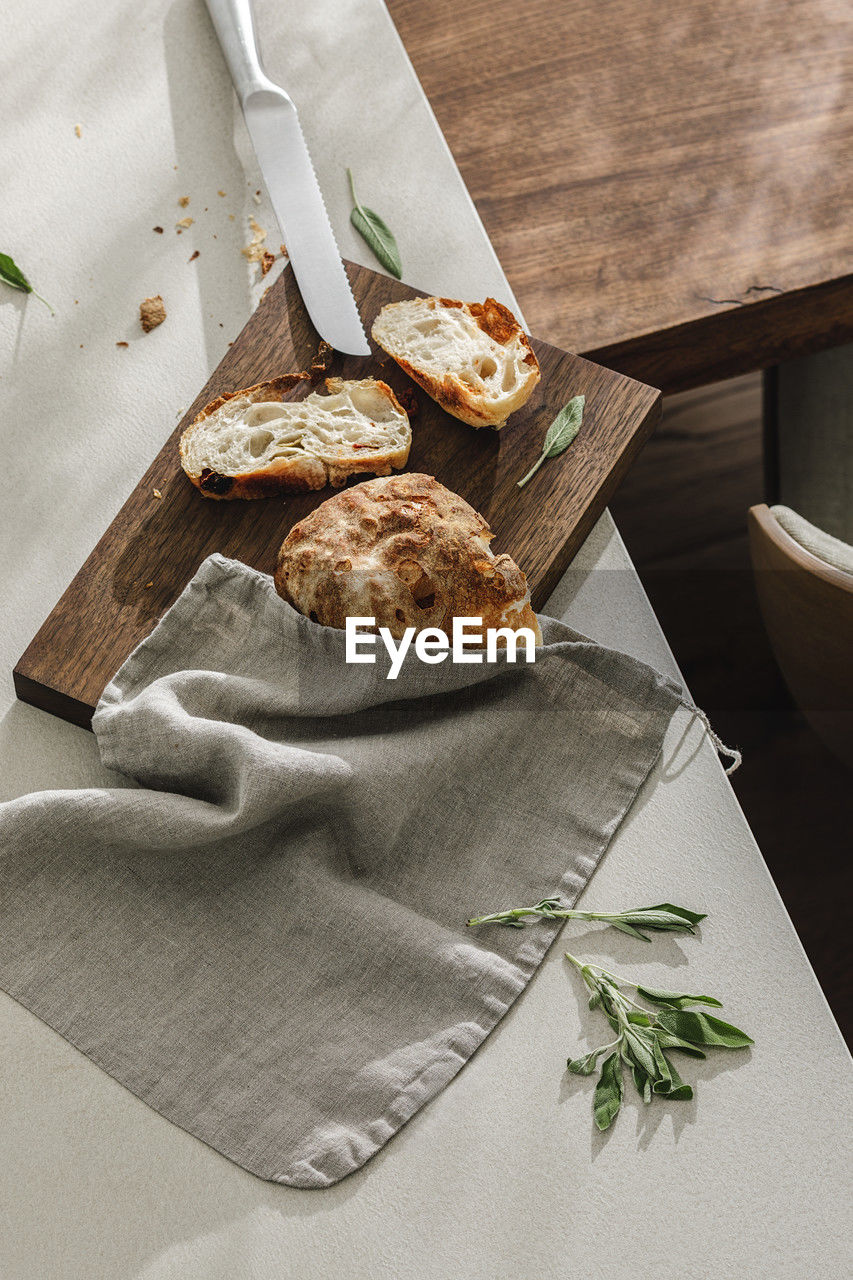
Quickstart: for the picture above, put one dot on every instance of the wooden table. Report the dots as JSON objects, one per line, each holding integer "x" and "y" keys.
{"x": 667, "y": 185}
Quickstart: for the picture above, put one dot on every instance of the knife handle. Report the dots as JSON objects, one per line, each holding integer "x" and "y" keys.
{"x": 235, "y": 27}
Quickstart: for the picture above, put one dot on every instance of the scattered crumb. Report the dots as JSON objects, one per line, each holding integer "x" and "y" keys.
{"x": 77, "y": 302}
{"x": 148, "y": 584}
{"x": 320, "y": 363}
{"x": 157, "y": 493}
{"x": 159, "y": 230}
{"x": 409, "y": 400}
{"x": 221, "y": 325}
{"x": 193, "y": 256}
{"x": 183, "y": 201}
{"x": 267, "y": 262}
{"x": 122, "y": 344}
{"x": 152, "y": 312}
{"x": 254, "y": 251}
{"x": 221, "y": 193}
{"x": 183, "y": 223}
{"x": 231, "y": 344}
{"x": 231, "y": 217}
{"x": 182, "y": 411}
{"x": 78, "y": 130}
{"x": 81, "y": 346}
{"x": 257, "y": 197}
{"x": 283, "y": 248}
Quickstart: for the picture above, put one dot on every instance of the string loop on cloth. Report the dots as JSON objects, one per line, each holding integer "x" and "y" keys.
{"x": 731, "y": 753}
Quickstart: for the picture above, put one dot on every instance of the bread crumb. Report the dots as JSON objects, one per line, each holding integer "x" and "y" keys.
{"x": 193, "y": 256}
{"x": 255, "y": 251}
{"x": 157, "y": 493}
{"x": 231, "y": 217}
{"x": 409, "y": 400}
{"x": 221, "y": 193}
{"x": 183, "y": 201}
{"x": 256, "y": 197}
{"x": 152, "y": 312}
{"x": 159, "y": 230}
{"x": 78, "y": 130}
{"x": 183, "y": 223}
{"x": 283, "y": 248}
{"x": 122, "y": 344}
{"x": 267, "y": 262}
{"x": 148, "y": 584}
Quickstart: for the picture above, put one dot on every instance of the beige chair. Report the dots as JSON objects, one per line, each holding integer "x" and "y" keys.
{"x": 804, "y": 580}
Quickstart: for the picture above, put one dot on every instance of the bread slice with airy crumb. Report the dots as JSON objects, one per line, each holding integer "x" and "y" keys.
{"x": 473, "y": 358}
{"x": 255, "y": 444}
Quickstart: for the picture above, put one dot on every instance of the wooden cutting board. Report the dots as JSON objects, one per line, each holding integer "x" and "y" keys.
{"x": 154, "y": 545}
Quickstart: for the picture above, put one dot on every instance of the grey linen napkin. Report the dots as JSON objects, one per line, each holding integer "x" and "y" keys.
{"x": 265, "y": 939}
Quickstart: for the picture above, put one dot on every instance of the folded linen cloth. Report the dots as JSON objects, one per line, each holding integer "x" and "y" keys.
{"x": 265, "y": 939}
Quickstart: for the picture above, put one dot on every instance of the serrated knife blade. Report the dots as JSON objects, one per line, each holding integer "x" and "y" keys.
{"x": 273, "y": 124}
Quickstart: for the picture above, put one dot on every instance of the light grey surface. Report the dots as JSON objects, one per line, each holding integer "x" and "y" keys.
{"x": 815, "y": 439}
{"x": 265, "y": 940}
{"x": 501, "y": 1175}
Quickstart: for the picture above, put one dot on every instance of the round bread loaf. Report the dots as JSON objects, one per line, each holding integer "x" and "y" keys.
{"x": 405, "y": 551}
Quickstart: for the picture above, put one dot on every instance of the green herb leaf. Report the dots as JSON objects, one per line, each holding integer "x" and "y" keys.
{"x": 702, "y": 1029}
{"x": 672, "y": 1086}
{"x": 559, "y": 435}
{"x": 607, "y": 1098}
{"x": 586, "y": 1064}
{"x": 376, "y": 233}
{"x": 664, "y": 918}
{"x": 644, "y": 1036}
{"x": 692, "y": 917}
{"x": 623, "y": 927}
{"x": 11, "y": 274}
{"x": 675, "y": 999}
{"x": 669, "y": 1041}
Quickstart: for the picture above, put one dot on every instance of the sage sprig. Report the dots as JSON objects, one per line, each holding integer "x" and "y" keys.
{"x": 645, "y": 1038}
{"x": 377, "y": 234}
{"x": 11, "y": 274}
{"x": 663, "y": 918}
{"x": 559, "y": 435}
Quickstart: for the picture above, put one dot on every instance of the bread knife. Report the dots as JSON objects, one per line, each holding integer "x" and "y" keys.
{"x": 289, "y": 177}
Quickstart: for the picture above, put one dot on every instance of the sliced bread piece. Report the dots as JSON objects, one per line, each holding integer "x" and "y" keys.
{"x": 254, "y": 443}
{"x": 473, "y": 358}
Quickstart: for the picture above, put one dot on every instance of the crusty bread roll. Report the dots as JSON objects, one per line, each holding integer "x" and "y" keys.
{"x": 473, "y": 358}
{"x": 253, "y": 443}
{"x": 405, "y": 551}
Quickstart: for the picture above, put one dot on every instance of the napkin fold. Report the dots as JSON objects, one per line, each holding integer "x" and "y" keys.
{"x": 264, "y": 938}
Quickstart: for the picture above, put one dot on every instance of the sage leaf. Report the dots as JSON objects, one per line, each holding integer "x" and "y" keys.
{"x": 623, "y": 927}
{"x": 692, "y": 917}
{"x": 11, "y": 274}
{"x": 607, "y": 1098}
{"x": 643, "y": 1036}
{"x": 559, "y": 435}
{"x": 376, "y": 233}
{"x": 586, "y": 1064}
{"x": 668, "y": 1041}
{"x": 676, "y": 999}
{"x": 673, "y": 1087}
{"x": 703, "y": 1029}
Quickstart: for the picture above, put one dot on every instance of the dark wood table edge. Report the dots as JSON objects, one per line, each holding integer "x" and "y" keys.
{"x": 742, "y": 337}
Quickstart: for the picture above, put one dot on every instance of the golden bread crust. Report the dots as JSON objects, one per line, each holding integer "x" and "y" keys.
{"x": 406, "y": 551}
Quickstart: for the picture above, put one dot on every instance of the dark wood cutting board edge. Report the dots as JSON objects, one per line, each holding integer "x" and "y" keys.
{"x": 154, "y": 545}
